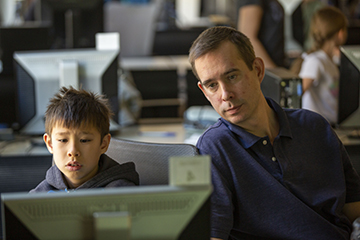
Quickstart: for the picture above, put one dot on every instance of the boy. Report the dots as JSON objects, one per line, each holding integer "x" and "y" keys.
{"x": 77, "y": 134}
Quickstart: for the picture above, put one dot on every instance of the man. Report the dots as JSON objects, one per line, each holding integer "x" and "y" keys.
{"x": 277, "y": 173}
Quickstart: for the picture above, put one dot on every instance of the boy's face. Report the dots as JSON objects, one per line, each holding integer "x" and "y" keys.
{"x": 76, "y": 152}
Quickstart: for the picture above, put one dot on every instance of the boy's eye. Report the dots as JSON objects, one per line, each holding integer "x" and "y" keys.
{"x": 84, "y": 140}
{"x": 62, "y": 140}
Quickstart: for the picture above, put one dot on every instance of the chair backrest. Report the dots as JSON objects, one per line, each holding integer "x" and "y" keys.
{"x": 151, "y": 159}
{"x": 136, "y": 24}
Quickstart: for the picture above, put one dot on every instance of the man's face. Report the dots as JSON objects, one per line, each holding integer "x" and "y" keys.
{"x": 76, "y": 152}
{"x": 232, "y": 89}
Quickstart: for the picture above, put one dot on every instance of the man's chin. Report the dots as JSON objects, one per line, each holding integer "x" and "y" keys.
{"x": 236, "y": 120}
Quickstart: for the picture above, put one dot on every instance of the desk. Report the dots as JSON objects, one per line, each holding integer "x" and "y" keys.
{"x": 157, "y": 133}
{"x": 352, "y": 146}
{"x": 344, "y": 134}
{"x": 160, "y": 133}
{"x": 23, "y": 146}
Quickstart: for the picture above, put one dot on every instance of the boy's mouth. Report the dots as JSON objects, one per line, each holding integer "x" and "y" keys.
{"x": 73, "y": 166}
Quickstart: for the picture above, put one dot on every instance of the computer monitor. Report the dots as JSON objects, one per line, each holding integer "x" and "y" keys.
{"x": 74, "y": 22}
{"x": 29, "y": 36}
{"x": 39, "y": 76}
{"x": 142, "y": 212}
{"x": 349, "y": 88}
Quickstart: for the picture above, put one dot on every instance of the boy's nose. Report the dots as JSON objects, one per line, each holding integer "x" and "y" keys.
{"x": 73, "y": 152}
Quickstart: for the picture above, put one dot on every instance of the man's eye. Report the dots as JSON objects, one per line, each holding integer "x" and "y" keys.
{"x": 211, "y": 85}
{"x": 232, "y": 77}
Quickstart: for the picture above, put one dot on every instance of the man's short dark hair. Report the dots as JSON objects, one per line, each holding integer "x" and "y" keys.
{"x": 211, "y": 39}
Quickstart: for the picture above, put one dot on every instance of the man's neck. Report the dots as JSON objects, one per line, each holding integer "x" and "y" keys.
{"x": 265, "y": 123}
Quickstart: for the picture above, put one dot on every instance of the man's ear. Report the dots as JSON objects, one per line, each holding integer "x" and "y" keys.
{"x": 259, "y": 67}
{"x": 105, "y": 143}
{"x": 47, "y": 140}
{"x": 202, "y": 89}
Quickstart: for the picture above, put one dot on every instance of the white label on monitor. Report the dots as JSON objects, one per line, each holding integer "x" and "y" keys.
{"x": 193, "y": 170}
{"x": 108, "y": 41}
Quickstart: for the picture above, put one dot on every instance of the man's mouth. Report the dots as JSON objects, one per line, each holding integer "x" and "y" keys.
{"x": 232, "y": 110}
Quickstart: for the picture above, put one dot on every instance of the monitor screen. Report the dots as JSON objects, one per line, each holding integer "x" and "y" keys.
{"x": 38, "y": 76}
{"x": 149, "y": 212}
{"x": 74, "y": 22}
{"x": 16, "y": 38}
{"x": 349, "y": 87}
{"x": 21, "y": 38}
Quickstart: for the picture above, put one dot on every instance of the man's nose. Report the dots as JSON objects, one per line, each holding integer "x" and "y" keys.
{"x": 227, "y": 92}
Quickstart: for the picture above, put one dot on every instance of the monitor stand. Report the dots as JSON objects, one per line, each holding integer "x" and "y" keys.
{"x": 112, "y": 225}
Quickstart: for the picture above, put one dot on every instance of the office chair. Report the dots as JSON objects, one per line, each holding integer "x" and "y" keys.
{"x": 136, "y": 25}
{"x": 151, "y": 159}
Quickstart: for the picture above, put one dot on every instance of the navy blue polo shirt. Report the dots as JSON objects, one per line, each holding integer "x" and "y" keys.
{"x": 294, "y": 188}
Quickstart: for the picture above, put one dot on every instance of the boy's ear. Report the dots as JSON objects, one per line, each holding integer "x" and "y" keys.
{"x": 47, "y": 140}
{"x": 105, "y": 143}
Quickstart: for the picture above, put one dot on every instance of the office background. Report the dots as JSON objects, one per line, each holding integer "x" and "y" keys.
{"x": 163, "y": 102}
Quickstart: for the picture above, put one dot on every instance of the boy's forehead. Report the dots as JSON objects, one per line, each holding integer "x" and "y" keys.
{"x": 83, "y": 127}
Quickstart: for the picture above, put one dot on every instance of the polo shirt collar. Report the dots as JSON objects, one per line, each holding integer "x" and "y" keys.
{"x": 247, "y": 139}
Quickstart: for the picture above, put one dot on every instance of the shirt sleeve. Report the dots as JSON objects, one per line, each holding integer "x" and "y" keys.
{"x": 221, "y": 198}
{"x": 310, "y": 68}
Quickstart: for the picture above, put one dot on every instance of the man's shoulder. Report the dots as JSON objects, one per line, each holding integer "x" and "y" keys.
{"x": 217, "y": 129}
{"x": 215, "y": 135}
{"x": 306, "y": 120}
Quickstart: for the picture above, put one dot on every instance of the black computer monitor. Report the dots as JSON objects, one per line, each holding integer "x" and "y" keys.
{"x": 142, "y": 212}
{"x": 297, "y": 25}
{"x": 39, "y": 77}
{"x": 74, "y": 22}
{"x": 30, "y": 36}
{"x": 349, "y": 88}
{"x": 353, "y": 30}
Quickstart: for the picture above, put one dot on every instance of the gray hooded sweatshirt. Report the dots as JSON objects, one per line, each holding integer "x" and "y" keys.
{"x": 110, "y": 174}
